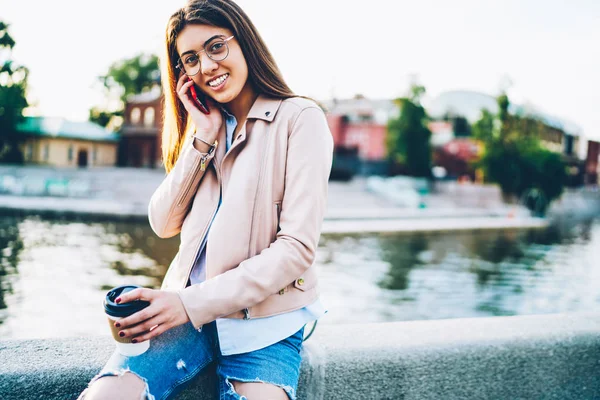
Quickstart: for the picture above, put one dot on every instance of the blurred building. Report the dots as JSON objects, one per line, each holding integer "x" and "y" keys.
{"x": 557, "y": 134}
{"x": 141, "y": 130}
{"x": 454, "y": 154}
{"x": 592, "y": 166}
{"x": 359, "y": 126}
{"x": 560, "y": 135}
{"x": 62, "y": 143}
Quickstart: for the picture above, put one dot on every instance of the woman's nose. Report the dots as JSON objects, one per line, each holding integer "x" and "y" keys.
{"x": 207, "y": 64}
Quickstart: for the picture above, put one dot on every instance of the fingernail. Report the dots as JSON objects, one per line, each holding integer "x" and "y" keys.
{"x": 118, "y": 300}
{"x": 133, "y": 340}
{"x": 118, "y": 325}
{"x": 121, "y": 334}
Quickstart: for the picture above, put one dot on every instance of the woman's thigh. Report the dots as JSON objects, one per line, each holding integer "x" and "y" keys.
{"x": 174, "y": 358}
{"x": 278, "y": 365}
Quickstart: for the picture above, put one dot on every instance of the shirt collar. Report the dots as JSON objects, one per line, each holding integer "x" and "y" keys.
{"x": 227, "y": 114}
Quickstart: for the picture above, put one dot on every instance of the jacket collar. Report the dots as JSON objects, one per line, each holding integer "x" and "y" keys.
{"x": 264, "y": 108}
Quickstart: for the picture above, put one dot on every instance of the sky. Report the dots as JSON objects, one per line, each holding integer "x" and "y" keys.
{"x": 548, "y": 50}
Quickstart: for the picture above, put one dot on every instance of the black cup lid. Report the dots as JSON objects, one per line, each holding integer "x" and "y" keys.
{"x": 124, "y": 309}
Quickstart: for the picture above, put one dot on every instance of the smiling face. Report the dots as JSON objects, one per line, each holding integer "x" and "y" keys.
{"x": 222, "y": 80}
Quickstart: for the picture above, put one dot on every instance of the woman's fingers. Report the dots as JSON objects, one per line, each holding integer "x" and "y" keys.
{"x": 136, "y": 294}
{"x": 137, "y": 317}
{"x": 183, "y": 90}
{"x": 184, "y": 96}
{"x": 142, "y": 327}
{"x": 181, "y": 80}
{"x": 151, "y": 334}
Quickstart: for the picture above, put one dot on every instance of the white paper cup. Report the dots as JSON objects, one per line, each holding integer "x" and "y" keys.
{"x": 124, "y": 345}
{"x": 116, "y": 311}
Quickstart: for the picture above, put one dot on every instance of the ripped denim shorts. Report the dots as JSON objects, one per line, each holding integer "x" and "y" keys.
{"x": 179, "y": 354}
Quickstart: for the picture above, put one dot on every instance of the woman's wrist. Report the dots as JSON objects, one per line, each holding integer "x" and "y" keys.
{"x": 203, "y": 143}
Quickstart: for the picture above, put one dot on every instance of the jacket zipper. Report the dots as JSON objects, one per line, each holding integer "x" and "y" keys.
{"x": 260, "y": 179}
{"x": 216, "y": 165}
{"x": 188, "y": 185}
{"x": 208, "y": 224}
{"x": 233, "y": 146}
{"x": 277, "y": 208}
{"x": 202, "y": 168}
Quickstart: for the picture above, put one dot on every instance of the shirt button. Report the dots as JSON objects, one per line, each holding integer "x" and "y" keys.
{"x": 268, "y": 113}
{"x": 300, "y": 281}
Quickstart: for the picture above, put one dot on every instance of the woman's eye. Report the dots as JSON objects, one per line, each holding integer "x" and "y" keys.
{"x": 191, "y": 60}
{"x": 216, "y": 47}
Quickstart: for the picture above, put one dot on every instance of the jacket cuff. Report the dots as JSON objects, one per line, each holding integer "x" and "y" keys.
{"x": 188, "y": 309}
{"x": 196, "y": 325}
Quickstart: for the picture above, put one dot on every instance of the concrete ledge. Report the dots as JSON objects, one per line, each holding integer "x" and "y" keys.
{"x": 527, "y": 357}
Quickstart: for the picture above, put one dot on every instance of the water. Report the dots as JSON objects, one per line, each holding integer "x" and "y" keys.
{"x": 47, "y": 266}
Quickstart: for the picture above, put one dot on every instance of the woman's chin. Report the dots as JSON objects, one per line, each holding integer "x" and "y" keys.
{"x": 223, "y": 98}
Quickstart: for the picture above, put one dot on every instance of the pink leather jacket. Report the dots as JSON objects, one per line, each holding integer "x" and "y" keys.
{"x": 262, "y": 245}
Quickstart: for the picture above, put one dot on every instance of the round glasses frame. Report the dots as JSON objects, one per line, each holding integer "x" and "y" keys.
{"x": 181, "y": 67}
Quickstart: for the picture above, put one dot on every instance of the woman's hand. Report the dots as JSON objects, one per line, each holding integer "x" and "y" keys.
{"x": 164, "y": 312}
{"x": 207, "y": 126}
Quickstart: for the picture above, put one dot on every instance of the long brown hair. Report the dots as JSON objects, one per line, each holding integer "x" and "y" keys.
{"x": 263, "y": 73}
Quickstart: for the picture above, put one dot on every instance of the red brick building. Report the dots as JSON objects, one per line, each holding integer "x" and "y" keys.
{"x": 140, "y": 133}
{"x": 359, "y": 126}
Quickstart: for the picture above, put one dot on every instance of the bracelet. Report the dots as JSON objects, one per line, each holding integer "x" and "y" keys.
{"x": 212, "y": 146}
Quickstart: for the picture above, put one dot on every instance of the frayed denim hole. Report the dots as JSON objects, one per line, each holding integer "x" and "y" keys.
{"x": 145, "y": 395}
{"x": 287, "y": 389}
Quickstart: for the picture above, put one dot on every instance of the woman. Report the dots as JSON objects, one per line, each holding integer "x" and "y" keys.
{"x": 246, "y": 189}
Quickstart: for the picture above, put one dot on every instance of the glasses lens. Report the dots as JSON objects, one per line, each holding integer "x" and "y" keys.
{"x": 191, "y": 64}
{"x": 217, "y": 50}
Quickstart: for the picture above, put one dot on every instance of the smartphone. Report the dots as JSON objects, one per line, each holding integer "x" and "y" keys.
{"x": 200, "y": 101}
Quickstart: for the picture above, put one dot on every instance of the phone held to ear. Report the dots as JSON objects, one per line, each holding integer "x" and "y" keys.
{"x": 199, "y": 101}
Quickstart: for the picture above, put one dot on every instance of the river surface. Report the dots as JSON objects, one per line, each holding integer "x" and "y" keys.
{"x": 54, "y": 273}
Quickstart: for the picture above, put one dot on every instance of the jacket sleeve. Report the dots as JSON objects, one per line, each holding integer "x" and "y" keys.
{"x": 172, "y": 199}
{"x": 309, "y": 159}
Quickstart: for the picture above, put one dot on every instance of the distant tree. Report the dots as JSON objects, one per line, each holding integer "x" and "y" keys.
{"x": 484, "y": 128}
{"x": 126, "y": 77}
{"x": 514, "y": 157}
{"x": 13, "y": 87}
{"x": 100, "y": 116}
{"x": 408, "y": 137}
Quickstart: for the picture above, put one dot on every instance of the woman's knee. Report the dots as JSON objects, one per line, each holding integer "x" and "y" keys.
{"x": 125, "y": 386}
{"x": 259, "y": 390}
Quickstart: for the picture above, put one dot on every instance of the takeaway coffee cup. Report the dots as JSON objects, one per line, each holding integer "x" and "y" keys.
{"x": 115, "y": 311}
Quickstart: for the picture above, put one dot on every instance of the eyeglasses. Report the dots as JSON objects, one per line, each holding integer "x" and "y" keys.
{"x": 217, "y": 50}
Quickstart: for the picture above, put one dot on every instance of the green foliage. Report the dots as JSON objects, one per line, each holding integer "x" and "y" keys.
{"x": 126, "y": 77}
{"x": 514, "y": 157}
{"x": 101, "y": 117}
{"x": 483, "y": 129}
{"x": 407, "y": 138}
{"x": 13, "y": 87}
{"x": 132, "y": 76}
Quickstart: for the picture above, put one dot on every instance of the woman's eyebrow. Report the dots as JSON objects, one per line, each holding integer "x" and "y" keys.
{"x": 205, "y": 43}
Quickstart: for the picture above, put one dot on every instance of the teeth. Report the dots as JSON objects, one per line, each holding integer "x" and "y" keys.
{"x": 218, "y": 81}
